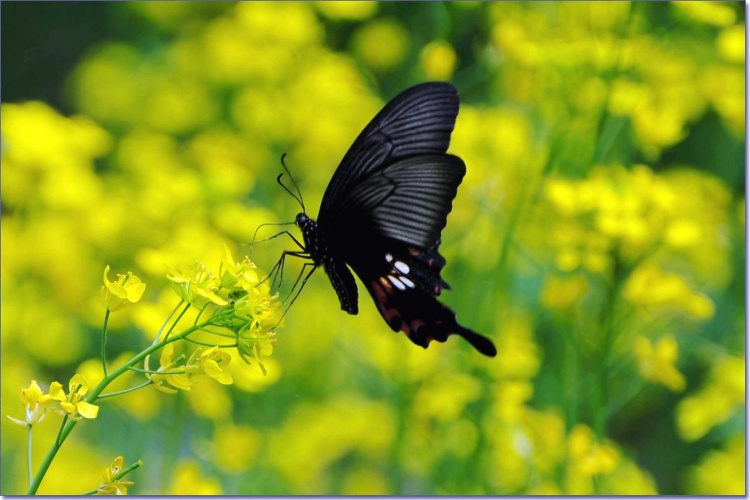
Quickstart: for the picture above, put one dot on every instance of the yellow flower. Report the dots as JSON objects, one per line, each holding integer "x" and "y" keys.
{"x": 36, "y": 403}
{"x": 563, "y": 293}
{"x": 212, "y": 362}
{"x": 112, "y": 484}
{"x": 656, "y": 363}
{"x": 438, "y": 60}
{"x": 236, "y": 447}
{"x": 382, "y": 44}
{"x": 714, "y": 403}
{"x": 74, "y": 403}
{"x": 720, "y": 472}
{"x": 589, "y": 457}
{"x": 179, "y": 380}
{"x": 651, "y": 287}
{"x": 714, "y": 13}
{"x": 196, "y": 286}
{"x": 237, "y": 276}
{"x": 126, "y": 290}
{"x": 250, "y": 344}
{"x": 190, "y": 480}
{"x": 356, "y": 11}
{"x": 731, "y": 44}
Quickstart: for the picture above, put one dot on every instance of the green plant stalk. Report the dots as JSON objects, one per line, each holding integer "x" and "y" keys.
{"x": 68, "y": 427}
{"x": 104, "y": 342}
{"x": 29, "y": 440}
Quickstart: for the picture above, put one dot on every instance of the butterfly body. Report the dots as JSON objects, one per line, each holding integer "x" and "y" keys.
{"x": 384, "y": 210}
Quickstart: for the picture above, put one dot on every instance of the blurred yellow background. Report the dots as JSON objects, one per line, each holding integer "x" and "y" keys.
{"x": 598, "y": 238}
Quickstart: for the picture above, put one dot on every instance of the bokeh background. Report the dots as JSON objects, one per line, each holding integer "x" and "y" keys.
{"x": 598, "y": 238}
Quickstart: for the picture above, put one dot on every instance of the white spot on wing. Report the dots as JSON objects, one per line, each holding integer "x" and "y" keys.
{"x": 396, "y": 282}
{"x": 388, "y": 257}
{"x": 406, "y": 281}
{"x": 401, "y": 266}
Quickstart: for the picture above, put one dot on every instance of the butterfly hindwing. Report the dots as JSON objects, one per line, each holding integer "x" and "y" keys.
{"x": 403, "y": 284}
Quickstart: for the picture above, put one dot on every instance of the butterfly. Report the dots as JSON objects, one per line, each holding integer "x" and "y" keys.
{"x": 383, "y": 211}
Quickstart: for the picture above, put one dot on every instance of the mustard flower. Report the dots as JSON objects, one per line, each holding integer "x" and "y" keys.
{"x": 212, "y": 362}
{"x": 258, "y": 347}
{"x": 589, "y": 457}
{"x": 258, "y": 314}
{"x": 656, "y": 362}
{"x": 438, "y": 60}
{"x": 36, "y": 403}
{"x": 126, "y": 290}
{"x": 112, "y": 485}
{"x": 74, "y": 403}
{"x": 179, "y": 380}
{"x": 196, "y": 285}
{"x": 716, "y": 402}
{"x": 238, "y": 276}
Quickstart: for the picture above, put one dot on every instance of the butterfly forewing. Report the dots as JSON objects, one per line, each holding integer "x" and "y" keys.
{"x": 417, "y": 121}
{"x": 408, "y": 201}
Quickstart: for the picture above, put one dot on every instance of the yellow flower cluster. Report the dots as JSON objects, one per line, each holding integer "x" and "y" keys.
{"x": 73, "y": 404}
{"x": 720, "y": 398}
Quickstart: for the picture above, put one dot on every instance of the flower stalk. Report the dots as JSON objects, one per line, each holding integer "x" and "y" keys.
{"x": 249, "y": 318}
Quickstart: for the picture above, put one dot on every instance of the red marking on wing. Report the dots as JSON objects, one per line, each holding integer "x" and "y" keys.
{"x": 391, "y": 315}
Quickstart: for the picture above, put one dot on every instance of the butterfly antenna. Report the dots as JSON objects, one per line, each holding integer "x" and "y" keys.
{"x": 297, "y": 196}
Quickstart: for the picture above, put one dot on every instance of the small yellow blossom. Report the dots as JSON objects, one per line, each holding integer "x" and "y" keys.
{"x": 112, "y": 485}
{"x": 563, "y": 293}
{"x": 651, "y": 287}
{"x": 438, "y": 60}
{"x": 656, "y": 362}
{"x": 715, "y": 403}
{"x": 256, "y": 346}
{"x": 126, "y": 290}
{"x": 236, "y": 447}
{"x": 382, "y": 44}
{"x": 196, "y": 285}
{"x": 190, "y": 480}
{"x": 178, "y": 380}
{"x": 588, "y": 456}
{"x": 36, "y": 403}
{"x": 731, "y": 43}
{"x": 74, "y": 404}
{"x": 237, "y": 276}
{"x": 720, "y": 472}
{"x": 212, "y": 362}
{"x": 714, "y": 13}
{"x": 355, "y": 11}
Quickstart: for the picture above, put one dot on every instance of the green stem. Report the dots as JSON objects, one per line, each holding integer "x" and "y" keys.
{"x": 29, "y": 440}
{"x": 60, "y": 430}
{"x": 177, "y": 320}
{"x": 125, "y": 391}
{"x": 166, "y": 321}
{"x": 104, "y": 342}
{"x": 67, "y": 428}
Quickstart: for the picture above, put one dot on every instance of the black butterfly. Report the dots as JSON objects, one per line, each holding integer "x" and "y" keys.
{"x": 383, "y": 212}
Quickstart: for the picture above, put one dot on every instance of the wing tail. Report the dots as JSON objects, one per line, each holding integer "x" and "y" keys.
{"x": 421, "y": 317}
